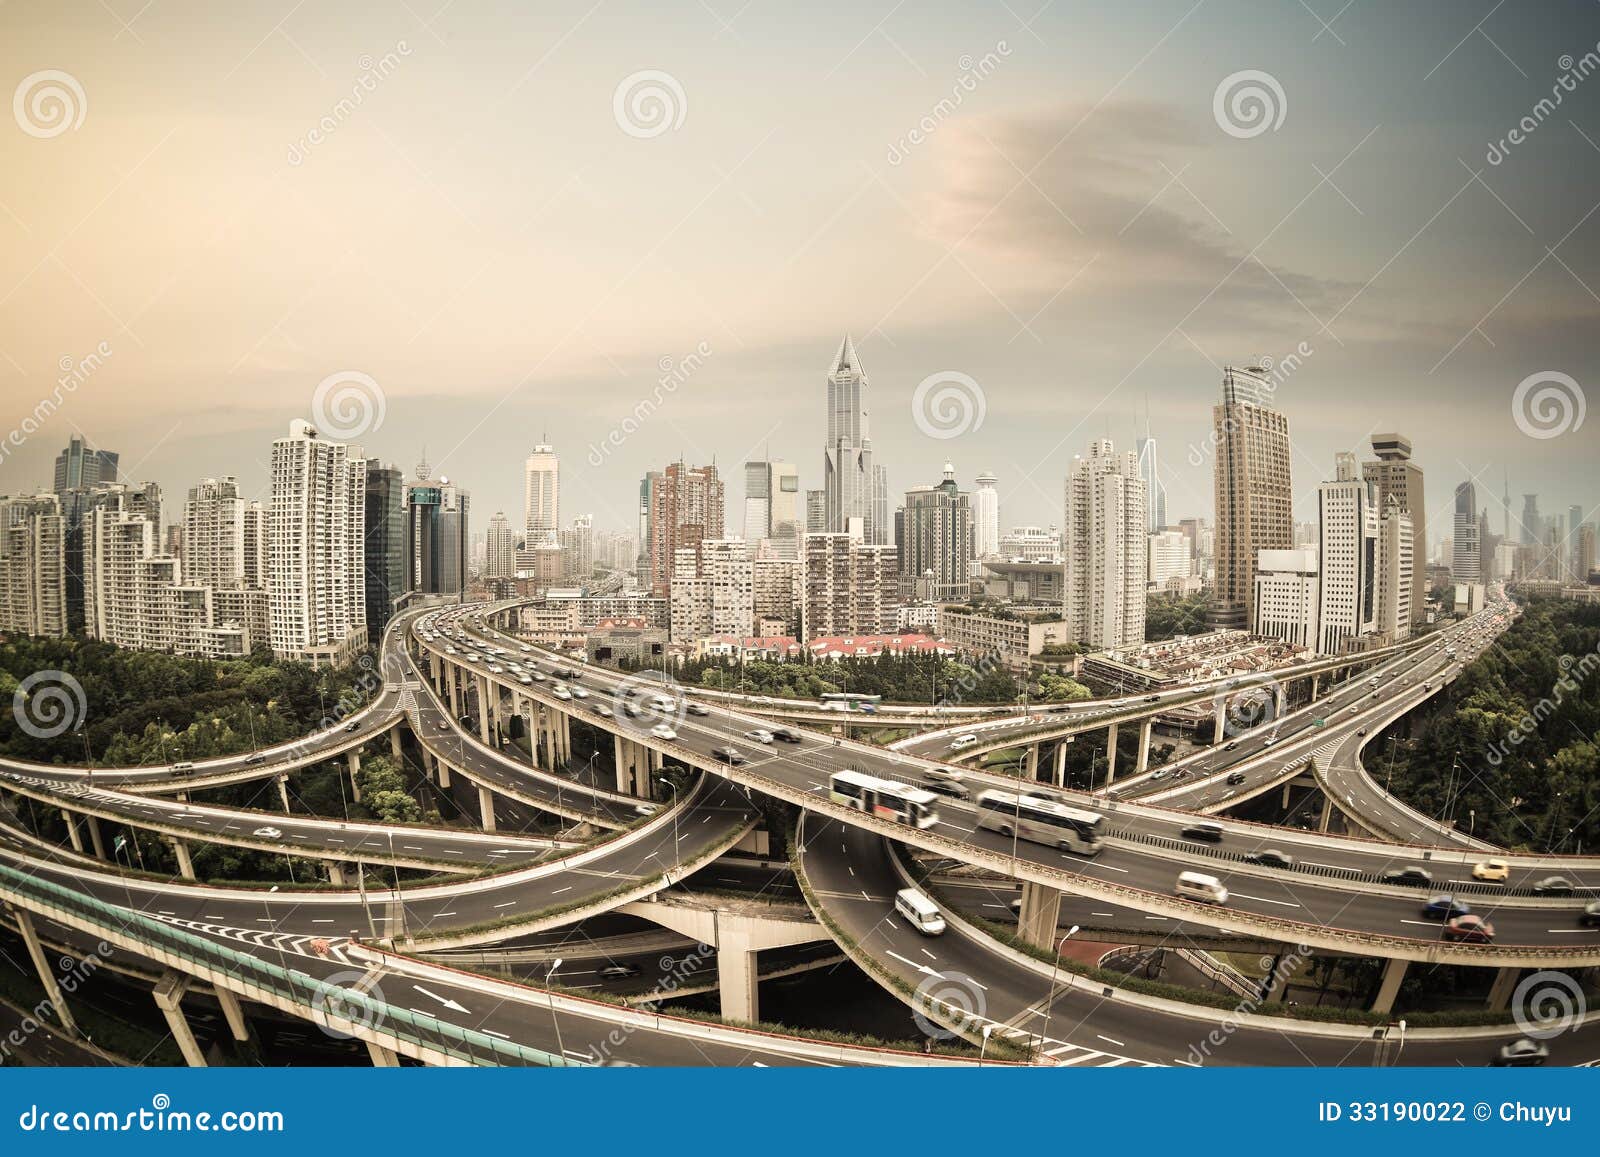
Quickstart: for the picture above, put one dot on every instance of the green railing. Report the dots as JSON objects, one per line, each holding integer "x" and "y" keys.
{"x": 313, "y": 998}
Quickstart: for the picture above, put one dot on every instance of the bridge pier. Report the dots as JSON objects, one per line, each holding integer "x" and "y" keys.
{"x": 1219, "y": 719}
{"x": 1061, "y": 763}
{"x": 486, "y": 807}
{"x": 1041, "y": 911}
{"x": 95, "y": 840}
{"x": 1030, "y": 764}
{"x": 1144, "y": 746}
{"x": 635, "y": 762}
{"x": 738, "y": 979}
{"x": 382, "y": 1058}
{"x": 352, "y": 760}
{"x": 169, "y": 992}
{"x": 283, "y": 791}
{"x": 72, "y": 831}
{"x": 1393, "y": 973}
{"x": 1111, "y": 755}
{"x": 1285, "y": 967}
{"x": 1505, "y": 983}
{"x": 1327, "y": 813}
{"x": 1280, "y": 699}
{"x": 442, "y": 773}
{"x": 1316, "y": 685}
{"x": 394, "y": 744}
{"x": 233, "y": 1013}
{"x": 483, "y": 710}
{"x": 336, "y": 873}
{"x": 47, "y": 979}
{"x": 185, "y": 864}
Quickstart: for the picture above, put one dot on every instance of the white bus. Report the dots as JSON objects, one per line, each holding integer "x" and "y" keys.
{"x": 884, "y": 798}
{"x": 1042, "y": 821}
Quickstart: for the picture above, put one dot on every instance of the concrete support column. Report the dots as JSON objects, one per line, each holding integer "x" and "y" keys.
{"x": 1284, "y": 803}
{"x": 1219, "y": 717}
{"x": 483, "y": 710}
{"x": 1393, "y": 973}
{"x": 1061, "y": 763}
{"x": 1316, "y": 685}
{"x": 1505, "y": 983}
{"x": 1327, "y": 814}
{"x": 633, "y": 776}
{"x": 1144, "y": 746}
{"x": 737, "y": 978}
{"x": 72, "y": 831}
{"x": 486, "y": 807}
{"x": 283, "y": 791}
{"x": 382, "y": 1058}
{"x": 185, "y": 864}
{"x": 1041, "y": 910}
{"x": 1111, "y": 755}
{"x": 336, "y": 873}
{"x": 47, "y": 979}
{"x": 443, "y": 770}
{"x": 95, "y": 841}
{"x": 1030, "y": 764}
{"x": 169, "y": 999}
{"x": 233, "y": 1013}
{"x": 394, "y": 744}
{"x": 566, "y": 739}
{"x": 352, "y": 760}
{"x": 1285, "y": 967}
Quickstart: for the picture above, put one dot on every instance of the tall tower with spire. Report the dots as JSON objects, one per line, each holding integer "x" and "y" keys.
{"x": 1155, "y": 493}
{"x": 849, "y": 480}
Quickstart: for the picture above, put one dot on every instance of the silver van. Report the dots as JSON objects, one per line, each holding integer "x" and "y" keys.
{"x": 920, "y": 911}
{"x": 1199, "y": 886}
{"x": 961, "y": 741}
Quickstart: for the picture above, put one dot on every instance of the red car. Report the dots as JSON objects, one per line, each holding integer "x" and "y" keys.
{"x": 1469, "y": 930}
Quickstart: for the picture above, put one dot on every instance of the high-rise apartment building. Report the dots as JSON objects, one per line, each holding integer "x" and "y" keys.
{"x": 713, "y": 590}
{"x": 1105, "y": 548}
{"x": 1466, "y": 555}
{"x": 936, "y": 550}
{"x": 213, "y": 534}
{"x": 577, "y": 548}
{"x": 1396, "y": 569}
{"x": 316, "y": 549}
{"x": 1170, "y": 557}
{"x": 500, "y": 557}
{"x": 384, "y": 535}
{"x": 850, "y": 480}
{"x": 1348, "y": 552}
{"x": 1397, "y": 476}
{"x": 986, "y": 516}
{"x": 541, "y": 475}
{"x": 78, "y": 470}
{"x": 33, "y": 575}
{"x": 1286, "y": 597}
{"x": 776, "y": 594}
{"x": 772, "y": 506}
{"x": 848, "y": 586}
{"x": 682, "y": 507}
{"x": 1255, "y": 502}
{"x": 1584, "y": 562}
{"x": 816, "y": 511}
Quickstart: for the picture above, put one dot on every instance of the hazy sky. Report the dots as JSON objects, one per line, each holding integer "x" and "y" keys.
{"x": 462, "y": 202}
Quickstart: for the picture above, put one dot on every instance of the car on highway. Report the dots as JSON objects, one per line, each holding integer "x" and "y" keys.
{"x": 1410, "y": 874}
{"x": 1362, "y": 732}
{"x": 254, "y": 758}
{"x": 731, "y": 756}
{"x": 182, "y": 769}
{"x": 268, "y": 833}
{"x": 1270, "y": 858}
{"x": 579, "y": 692}
{"x": 759, "y": 735}
{"x": 1494, "y": 870}
{"x": 1269, "y": 741}
{"x": 617, "y": 972}
{"x": 1235, "y": 778}
{"x": 961, "y": 741}
{"x": 1469, "y": 930}
{"x": 952, "y": 788}
{"x": 1446, "y": 907}
{"x": 1206, "y": 832}
{"x": 1230, "y": 746}
{"x": 604, "y": 712}
{"x": 1590, "y": 916}
{"x": 353, "y": 725}
{"x": 699, "y": 709}
{"x": 443, "y": 726}
{"x": 1524, "y": 1052}
{"x": 786, "y": 734}
{"x": 1553, "y": 886}
{"x": 560, "y": 691}
{"x": 663, "y": 731}
{"x": 1160, "y": 773}
{"x": 644, "y": 809}
{"x": 920, "y": 912}
{"x": 1201, "y": 887}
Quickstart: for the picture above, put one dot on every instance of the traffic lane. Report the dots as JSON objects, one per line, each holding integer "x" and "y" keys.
{"x": 437, "y": 908}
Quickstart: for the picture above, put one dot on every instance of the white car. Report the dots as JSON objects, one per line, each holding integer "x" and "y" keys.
{"x": 560, "y": 691}
{"x": 579, "y": 692}
{"x": 268, "y": 833}
{"x": 663, "y": 731}
{"x": 760, "y": 735}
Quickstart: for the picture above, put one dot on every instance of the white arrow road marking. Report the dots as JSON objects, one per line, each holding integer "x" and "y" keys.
{"x": 450, "y": 1004}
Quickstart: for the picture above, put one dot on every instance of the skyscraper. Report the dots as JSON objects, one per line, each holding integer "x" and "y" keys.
{"x": 542, "y": 495}
{"x": 1396, "y": 569}
{"x": 437, "y": 534}
{"x": 316, "y": 549}
{"x": 850, "y": 481}
{"x": 213, "y": 534}
{"x": 936, "y": 554}
{"x": 81, "y": 466}
{"x": 683, "y": 507}
{"x": 1466, "y": 553}
{"x": 1574, "y": 522}
{"x": 1105, "y": 548}
{"x": 1530, "y": 519}
{"x": 33, "y": 577}
{"x": 1395, "y": 474}
{"x": 1255, "y": 504}
{"x": 1150, "y": 472}
{"x": 771, "y": 506}
{"x": 986, "y": 516}
{"x": 79, "y": 469}
{"x": 500, "y": 558}
{"x": 384, "y": 532}
{"x": 1347, "y": 550}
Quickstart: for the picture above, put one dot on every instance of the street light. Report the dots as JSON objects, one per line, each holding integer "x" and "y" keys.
{"x": 1055, "y": 969}
{"x": 550, "y": 979}
{"x": 673, "y": 785}
{"x": 982, "y": 1052}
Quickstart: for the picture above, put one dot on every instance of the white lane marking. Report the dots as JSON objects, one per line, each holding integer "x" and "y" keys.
{"x": 1109, "y": 1041}
{"x": 1264, "y": 900}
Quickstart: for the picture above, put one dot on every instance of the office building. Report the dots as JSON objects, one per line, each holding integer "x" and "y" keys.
{"x": 437, "y": 534}
{"x": 1104, "y": 548}
{"x": 1286, "y": 597}
{"x": 1348, "y": 551}
{"x": 1254, "y": 499}
{"x": 1396, "y": 475}
{"x": 541, "y": 475}
{"x": 1170, "y": 557}
{"x": 1531, "y": 520}
{"x": 78, "y": 470}
{"x": 1150, "y": 473}
{"x": 936, "y": 549}
{"x": 384, "y": 534}
{"x": 1031, "y": 544}
{"x": 772, "y": 506}
{"x": 1396, "y": 571}
{"x": 850, "y": 479}
{"x": 986, "y": 516}
{"x": 1466, "y": 559}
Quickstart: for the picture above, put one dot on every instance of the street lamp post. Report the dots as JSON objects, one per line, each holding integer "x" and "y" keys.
{"x": 982, "y": 1052}
{"x": 555, "y": 1020}
{"x": 673, "y": 785}
{"x": 1055, "y": 969}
